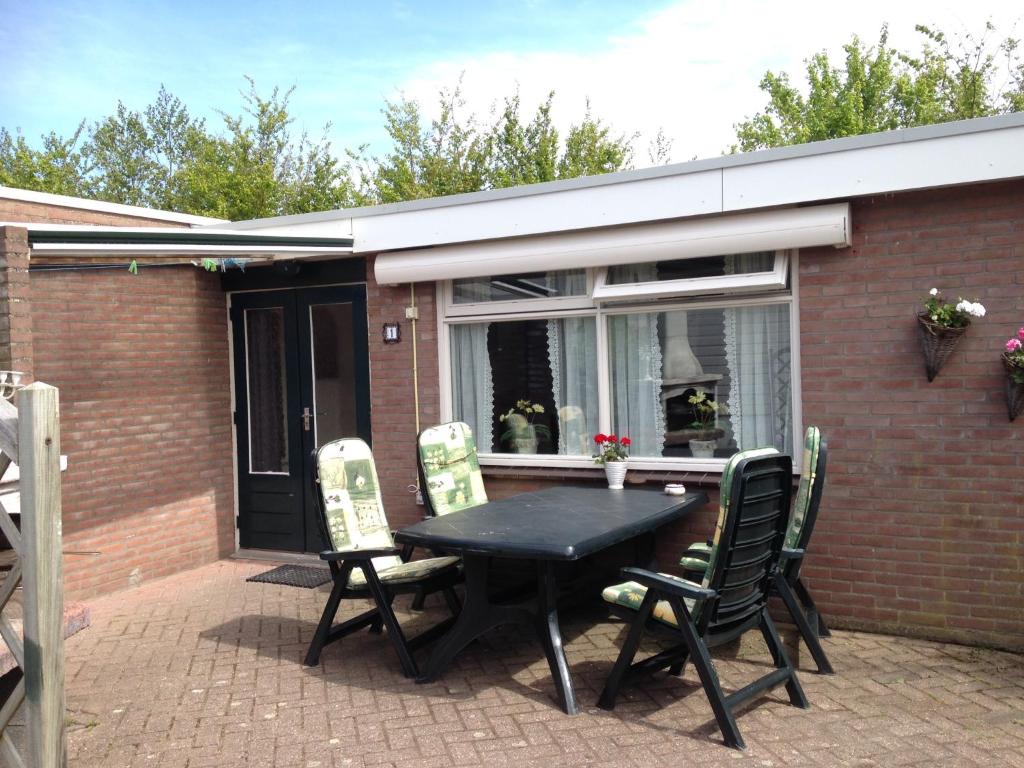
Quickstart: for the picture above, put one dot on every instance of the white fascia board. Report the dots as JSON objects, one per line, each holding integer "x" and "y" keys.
{"x": 935, "y": 162}
{"x": 180, "y": 249}
{"x": 740, "y": 233}
{"x": 101, "y": 206}
{"x": 671, "y": 197}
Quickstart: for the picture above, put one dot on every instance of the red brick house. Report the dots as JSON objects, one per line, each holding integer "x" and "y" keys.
{"x": 782, "y": 284}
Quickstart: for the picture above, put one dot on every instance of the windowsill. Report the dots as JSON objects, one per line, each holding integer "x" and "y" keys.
{"x": 635, "y": 477}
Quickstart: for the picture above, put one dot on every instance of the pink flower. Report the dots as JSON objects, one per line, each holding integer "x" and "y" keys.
{"x": 1020, "y": 334}
{"x": 1013, "y": 345}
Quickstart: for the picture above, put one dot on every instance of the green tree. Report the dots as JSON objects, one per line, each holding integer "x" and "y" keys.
{"x": 59, "y": 167}
{"x": 879, "y": 88}
{"x": 457, "y": 153}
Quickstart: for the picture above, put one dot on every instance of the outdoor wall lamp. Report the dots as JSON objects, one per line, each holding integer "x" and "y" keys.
{"x": 392, "y": 333}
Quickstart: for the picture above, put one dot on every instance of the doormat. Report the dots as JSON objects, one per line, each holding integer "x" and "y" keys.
{"x": 307, "y": 576}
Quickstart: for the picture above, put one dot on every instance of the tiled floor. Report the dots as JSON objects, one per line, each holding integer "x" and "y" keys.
{"x": 204, "y": 669}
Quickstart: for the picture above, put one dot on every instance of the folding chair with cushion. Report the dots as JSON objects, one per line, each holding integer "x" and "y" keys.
{"x": 363, "y": 559}
{"x": 793, "y": 591}
{"x": 450, "y": 476}
{"x": 731, "y": 599}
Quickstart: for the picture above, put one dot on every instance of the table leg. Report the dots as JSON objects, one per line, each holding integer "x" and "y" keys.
{"x": 550, "y": 634}
{"x": 478, "y": 616}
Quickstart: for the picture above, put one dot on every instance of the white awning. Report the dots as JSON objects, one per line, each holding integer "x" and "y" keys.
{"x": 743, "y": 233}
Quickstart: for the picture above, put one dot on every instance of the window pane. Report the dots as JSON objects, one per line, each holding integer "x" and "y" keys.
{"x": 527, "y": 386}
{"x": 688, "y": 269}
{"x": 265, "y": 375}
{"x": 738, "y": 358}
{"x": 334, "y": 383}
{"x": 535, "y": 285}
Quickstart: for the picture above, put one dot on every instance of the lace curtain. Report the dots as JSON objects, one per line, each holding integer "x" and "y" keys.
{"x": 572, "y": 352}
{"x": 472, "y": 385}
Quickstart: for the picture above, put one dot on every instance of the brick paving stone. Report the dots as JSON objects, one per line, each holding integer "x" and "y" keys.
{"x": 204, "y": 669}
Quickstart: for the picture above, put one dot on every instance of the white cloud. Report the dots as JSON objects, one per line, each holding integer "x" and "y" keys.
{"x": 692, "y": 69}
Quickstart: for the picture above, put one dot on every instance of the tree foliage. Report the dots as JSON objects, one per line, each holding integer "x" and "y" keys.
{"x": 878, "y": 88}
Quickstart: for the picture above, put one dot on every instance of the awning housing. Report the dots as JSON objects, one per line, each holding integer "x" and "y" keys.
{"x": 820, "y": 225}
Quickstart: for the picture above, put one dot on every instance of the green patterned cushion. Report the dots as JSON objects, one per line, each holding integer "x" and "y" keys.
{"x": 696, "y": 557}
{"x": 352, "y": 503}
{"x": 725, "y": 489}
{"x": 450, "y": 468}
{"x": 630, "y": 594}
{"x": 812, "y": 444}
{"x": 411, "y": 571}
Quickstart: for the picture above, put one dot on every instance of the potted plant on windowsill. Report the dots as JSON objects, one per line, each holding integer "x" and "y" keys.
{"x": 942, "y": 325}
{"x": 1013, "y": 361}
{"x": 706, "y": 433}
{"x": 521, "y": 433}
{"x": 613, "y": 453}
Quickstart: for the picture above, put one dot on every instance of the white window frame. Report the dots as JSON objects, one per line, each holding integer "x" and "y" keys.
{"x": 738, "y": 293}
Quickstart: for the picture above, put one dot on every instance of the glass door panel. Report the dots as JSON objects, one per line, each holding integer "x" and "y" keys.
{"x": 267, "y": 390}
{"x": 334, "y": 374}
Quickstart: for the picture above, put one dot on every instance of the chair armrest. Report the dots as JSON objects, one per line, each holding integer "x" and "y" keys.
{"x": 792, "y": 554}
{"x": 661, "y": 583}
{"x": 359, "y": 554}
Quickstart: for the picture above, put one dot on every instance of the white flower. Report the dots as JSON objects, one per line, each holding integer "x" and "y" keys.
{"x": 963, "y": 306}
{"x": 979, "y": 310}
{"x": 934, "y": 291}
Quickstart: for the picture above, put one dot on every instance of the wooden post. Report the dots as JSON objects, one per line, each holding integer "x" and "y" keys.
{"x": 39, "y": 465}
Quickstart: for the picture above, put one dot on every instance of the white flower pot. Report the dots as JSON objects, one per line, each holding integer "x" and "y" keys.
{"x": 615, "y": 471}
{"x": 703, "y": 449}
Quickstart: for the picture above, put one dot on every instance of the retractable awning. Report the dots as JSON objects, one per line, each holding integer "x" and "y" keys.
{"x": 821, "y": 225}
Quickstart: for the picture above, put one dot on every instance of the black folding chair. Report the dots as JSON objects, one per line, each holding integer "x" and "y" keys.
{"x": 794, "y": 593}
{"x": 364, "y": 561}
{"x": 731, "y": 600}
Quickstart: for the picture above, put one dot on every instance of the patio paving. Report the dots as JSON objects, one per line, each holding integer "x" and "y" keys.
{"x": 204, "y": 669}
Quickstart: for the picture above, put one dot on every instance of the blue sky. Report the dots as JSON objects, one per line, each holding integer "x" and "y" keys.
{"x": 690, "y": 67}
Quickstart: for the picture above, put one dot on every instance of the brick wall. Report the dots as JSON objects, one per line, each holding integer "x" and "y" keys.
{"x": 391, "y": 390}
{"x": 922, "y": 526}
{"x": 35, "y": 213}
{"x": 15, "y": 304}
{"x": 142, "y": 366}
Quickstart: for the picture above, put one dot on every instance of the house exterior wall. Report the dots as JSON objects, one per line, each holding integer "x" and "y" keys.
{"x": 43, "y": 213}
{"x": 921, "y": 529}
{"x": 141, "y": 362}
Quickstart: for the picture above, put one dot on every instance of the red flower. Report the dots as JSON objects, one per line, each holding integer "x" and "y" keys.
{"x": 612, "y": 439}
{"x": 626, "y": 441}
{"x": 600, "y": 438}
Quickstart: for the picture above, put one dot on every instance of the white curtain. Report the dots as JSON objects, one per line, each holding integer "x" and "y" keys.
{"x": 572, "y": 352}
{"x": 757, "y": 352}
{"x": 472, "y": 385}
{"x": 637, "y": 411}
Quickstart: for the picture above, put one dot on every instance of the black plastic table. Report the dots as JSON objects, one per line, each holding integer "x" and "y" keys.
{"x": 550, "y": 526}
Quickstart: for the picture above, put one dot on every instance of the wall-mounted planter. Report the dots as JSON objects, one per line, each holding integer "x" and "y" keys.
{"x": 1014, "y": 388}
{"x": 937, "y": 343}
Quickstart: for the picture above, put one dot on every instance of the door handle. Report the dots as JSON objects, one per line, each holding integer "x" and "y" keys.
{"x": 306, "y": 417}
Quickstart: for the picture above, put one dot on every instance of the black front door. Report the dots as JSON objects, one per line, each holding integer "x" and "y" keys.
{"x": 301, "y": 379}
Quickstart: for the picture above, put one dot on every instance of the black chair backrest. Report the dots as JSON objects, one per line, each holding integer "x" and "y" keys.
{"x": 791, "y": 568}
{"x": 749, "y": 546}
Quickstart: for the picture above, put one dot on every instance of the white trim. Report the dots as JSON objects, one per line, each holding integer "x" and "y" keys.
{"x": 80, "y": 203}
{"x": 820, "y": 225}
{"x": 185, "y": 249}
{"x": 659, "y": 289}
{"x": 795, "y": 367}
{"x": 508, "y": 306}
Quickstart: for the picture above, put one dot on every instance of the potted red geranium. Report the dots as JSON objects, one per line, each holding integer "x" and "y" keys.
{"x": 613, "y": 452}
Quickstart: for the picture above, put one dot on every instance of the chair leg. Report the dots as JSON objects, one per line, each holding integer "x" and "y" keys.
{"x": 377, "y": 626}
{"x": 678, "y": 667}
{"x": 417, "y": 599}
{"x": 323, "y": 629}
{"x": 814, "y": 616}
{"x": 452, "y": 599}
{"x": 629, "y": 648}
{"x": 708, "y": 676}
{"x": 797, "y": 697}
{"x": 387, "y": 614}
{"x": 806, "y": 628}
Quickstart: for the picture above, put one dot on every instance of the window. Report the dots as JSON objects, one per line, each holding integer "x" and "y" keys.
{"x": 690, "y": 358}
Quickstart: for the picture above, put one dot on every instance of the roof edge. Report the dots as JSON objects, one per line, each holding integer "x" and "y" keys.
{"x": 102, "y": 206}
{"x": 811, "y": 149}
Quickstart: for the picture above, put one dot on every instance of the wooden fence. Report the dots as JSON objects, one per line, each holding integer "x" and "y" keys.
{"x": 30, "y": 437}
